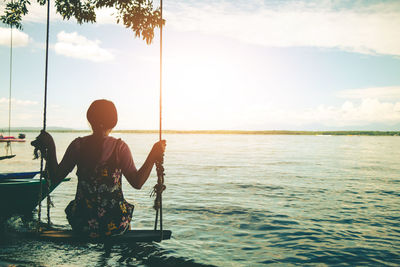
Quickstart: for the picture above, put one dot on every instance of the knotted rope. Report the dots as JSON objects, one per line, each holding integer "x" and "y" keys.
{"x": 159, "y": 187}
{"x": 43, "y": 153}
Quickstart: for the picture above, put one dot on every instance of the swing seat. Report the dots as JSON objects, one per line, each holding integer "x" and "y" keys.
{"x": 7, "y": 157}
{"x": 131, "y": 236}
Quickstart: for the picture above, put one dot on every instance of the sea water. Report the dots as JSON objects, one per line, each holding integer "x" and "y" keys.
{"x": 243, "y": 200}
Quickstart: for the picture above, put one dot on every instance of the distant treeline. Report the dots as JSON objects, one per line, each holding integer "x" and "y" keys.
{"x": 273, "y": 132}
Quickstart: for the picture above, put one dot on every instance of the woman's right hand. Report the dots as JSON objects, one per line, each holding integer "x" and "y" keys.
{"x": 157, "y": 152}
{"x": 44, "y": 141}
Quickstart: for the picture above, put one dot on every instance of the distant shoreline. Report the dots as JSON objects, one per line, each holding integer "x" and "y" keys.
{"x": 240, "y": 132}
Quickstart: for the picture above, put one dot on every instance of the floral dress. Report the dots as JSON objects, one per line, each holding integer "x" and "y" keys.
{"x": 99, "y": 208}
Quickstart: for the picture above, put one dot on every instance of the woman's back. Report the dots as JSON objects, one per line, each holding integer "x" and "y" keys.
{"x": 99, "y": 207}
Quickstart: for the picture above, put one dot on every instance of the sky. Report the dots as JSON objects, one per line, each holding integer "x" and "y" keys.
{"x": 233, "y": 65}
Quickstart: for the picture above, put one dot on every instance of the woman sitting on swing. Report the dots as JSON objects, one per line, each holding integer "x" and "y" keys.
{"x": 99, "y": 208}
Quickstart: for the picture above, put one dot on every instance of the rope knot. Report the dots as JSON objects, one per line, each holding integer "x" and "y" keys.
{"x": 157, "y": 190}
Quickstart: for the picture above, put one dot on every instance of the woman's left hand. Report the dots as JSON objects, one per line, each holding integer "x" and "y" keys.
{"x": 44, "y": 141}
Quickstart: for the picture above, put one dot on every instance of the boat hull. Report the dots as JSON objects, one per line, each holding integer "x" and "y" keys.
{"x": 18, "y": 175}
{"x": 18, "y": 140}
{"x": 12, "y": 138}
{"x": 20, "y": 196}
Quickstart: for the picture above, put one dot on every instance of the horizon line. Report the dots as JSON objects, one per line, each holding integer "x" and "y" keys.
{"x": 255, "y": 132}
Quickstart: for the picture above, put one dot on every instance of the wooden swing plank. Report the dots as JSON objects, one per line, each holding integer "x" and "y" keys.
{"x": 131, "y": 236}
{"x": 7, "y": 157}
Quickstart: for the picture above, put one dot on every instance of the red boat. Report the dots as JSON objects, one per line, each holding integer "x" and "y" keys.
{"x": 11, "y": 139}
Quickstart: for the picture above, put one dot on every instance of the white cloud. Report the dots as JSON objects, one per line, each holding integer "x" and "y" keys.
{"x": 381, "y": 93}
{"x": 23, "y": 112}
{"x": 363, "y": 29}
{"x": 78, "y": 46}
{"x": 349, "y": 114}
{"x": 379, "y": 105}
{"x": 354, "y": 114}
{"x": 19, "y": 38}
{"x": 17, "y": 102}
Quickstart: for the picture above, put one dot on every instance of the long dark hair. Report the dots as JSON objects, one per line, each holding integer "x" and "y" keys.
{"x": 102, "y": 115}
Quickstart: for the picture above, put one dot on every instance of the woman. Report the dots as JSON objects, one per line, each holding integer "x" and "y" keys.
{"x": 99, "y": 208}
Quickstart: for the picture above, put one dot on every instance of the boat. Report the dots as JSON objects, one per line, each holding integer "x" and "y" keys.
{"x": 11, "y": 139}
{"x": 19, "y": 196}
{"x": 18, "y": 175}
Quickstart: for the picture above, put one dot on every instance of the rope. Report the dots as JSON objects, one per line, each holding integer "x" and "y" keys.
{"x": 161, "y": 39}
{"x": 159, "y": 187}
{"x": 44, "y": 173}
{"x": 158, "y": 190}
{"x": 8, "y": 146}
{"x": 9, "y": 95}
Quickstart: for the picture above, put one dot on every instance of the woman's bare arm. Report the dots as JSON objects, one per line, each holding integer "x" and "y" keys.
{"x": 57, "y": 172}
{"x": 138, "y": 178}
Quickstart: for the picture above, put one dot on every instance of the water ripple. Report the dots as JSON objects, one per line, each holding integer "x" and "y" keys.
{"x": 246, "y": 201}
